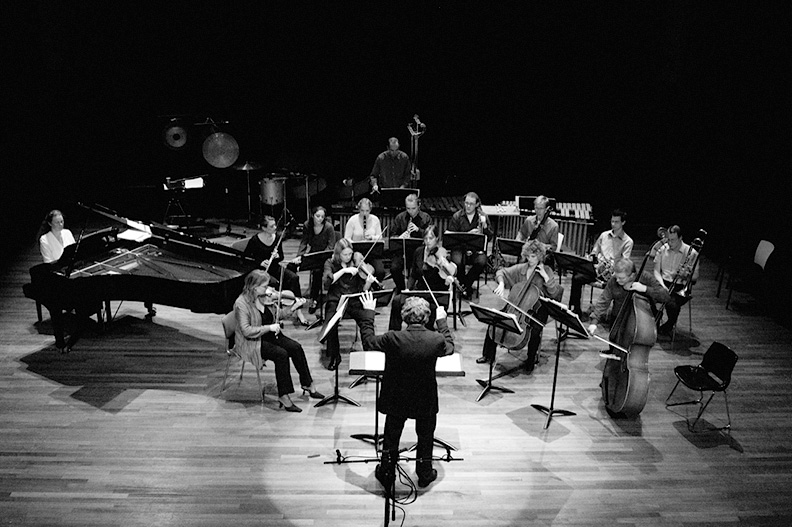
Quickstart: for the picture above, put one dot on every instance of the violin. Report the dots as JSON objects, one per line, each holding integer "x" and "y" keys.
{"x": 365, "y": 269}
{"x": 438, "y": 258}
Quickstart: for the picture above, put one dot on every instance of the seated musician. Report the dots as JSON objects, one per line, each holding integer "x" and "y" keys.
{"x": 470, "y": 219}
{"x": 342, "y": 276}
{"x": 624, "y": 280}
{"x": 318, "y": 235}
{"x": 409, "y": 383}
{"x": 675, "y": 261}
{"x": 258, "y": 331}
{"x": 609, "y": 247}
{"x": 430, "y": 266}
{"x": 261, "y": 248}
{"x": 540, "y": 226}
{"x": 365, "y": 226}
{"x": 53, "y": 239}
{"x": 538, "y": 274}
{"x": 410, "y": 223}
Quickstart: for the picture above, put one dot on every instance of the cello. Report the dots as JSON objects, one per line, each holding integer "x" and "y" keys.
{"x": 523, "y": 302}
{"x": 625, "y": 377}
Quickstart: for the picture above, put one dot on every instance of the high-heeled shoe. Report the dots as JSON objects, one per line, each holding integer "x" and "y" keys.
{"x": 312, "y": 394}
{"x": 291, "y": 408}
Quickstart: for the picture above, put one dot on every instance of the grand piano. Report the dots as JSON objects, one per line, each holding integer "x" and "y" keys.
{"x": 147, "y": 262}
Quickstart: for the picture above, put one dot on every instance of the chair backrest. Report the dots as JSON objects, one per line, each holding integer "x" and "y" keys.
{"x": 719, "y": 360}
{"x": 763, "y": 252}
{"x": 229, "y": 328}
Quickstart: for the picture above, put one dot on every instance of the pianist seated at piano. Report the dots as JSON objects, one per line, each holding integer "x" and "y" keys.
{"x": 258, "y": 332}
{"x": 262, "y": 248}
{"x": 54, "y": 237}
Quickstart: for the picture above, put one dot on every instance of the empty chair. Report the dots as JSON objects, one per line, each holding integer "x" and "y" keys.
{"x": 229, "y": 327}
{"x": 712, "y": 375}
{"x": 747, "y": 277}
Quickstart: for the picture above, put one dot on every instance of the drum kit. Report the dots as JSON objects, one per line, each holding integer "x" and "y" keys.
{"x": 272, "y": 188}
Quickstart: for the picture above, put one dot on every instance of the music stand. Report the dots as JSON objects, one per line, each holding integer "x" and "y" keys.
{"x": 310, "y": 262}
{"x": 394, "y": 196}
{"x": 463, "y": 241}
{"x": 495, "y": 319}
{"x": 408, "y": 246}
{"x": 363, "y": 247}
{"x": 382, "y": 297}
{"x": 567, "y": 318}
{"x": 427, "y": 295}
{"x": 576, "y": 264}
{"x": 510, "y": 246}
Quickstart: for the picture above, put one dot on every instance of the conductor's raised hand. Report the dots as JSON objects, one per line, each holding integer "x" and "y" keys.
{"x": 592, "y": 328}
{"x": 440, "y": 314}
{"x": 368, "y": 301}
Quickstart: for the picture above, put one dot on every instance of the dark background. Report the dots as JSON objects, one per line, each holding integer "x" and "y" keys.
{"x": 676, "y": 111}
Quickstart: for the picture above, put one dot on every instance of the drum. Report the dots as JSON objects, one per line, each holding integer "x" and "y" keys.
{"x": 272, "y": 190}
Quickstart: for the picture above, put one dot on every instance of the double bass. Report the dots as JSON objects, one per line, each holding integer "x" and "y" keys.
{"x": 625, "y": 378}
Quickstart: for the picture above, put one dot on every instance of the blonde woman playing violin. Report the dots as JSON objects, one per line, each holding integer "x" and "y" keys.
{"x": 431, "y": 268}
{"x": 344, "y": 274}
{"x": 257, "y": 331}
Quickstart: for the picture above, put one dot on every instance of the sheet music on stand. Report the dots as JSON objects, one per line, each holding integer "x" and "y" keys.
{"x": 576, "y": 264}
{"x": 404, "y": 246}
{"x": 510, "y": 246}
{"x": 393, "y": 197}
{"x": 316, "y": 260}
{"x": 363, "y": 247}
{"x": 443, "y": 297}
{"x": 464, "y": 241}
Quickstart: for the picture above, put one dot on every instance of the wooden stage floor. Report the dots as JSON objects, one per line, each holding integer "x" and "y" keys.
{"x": 131, "y": 429}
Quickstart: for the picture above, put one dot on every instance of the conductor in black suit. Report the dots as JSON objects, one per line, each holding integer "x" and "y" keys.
{"x": 409, "y": 385}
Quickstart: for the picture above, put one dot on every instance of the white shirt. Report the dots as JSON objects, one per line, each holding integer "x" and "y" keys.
{"x": 355, "y": 232}
{"x": 51, "y": 248}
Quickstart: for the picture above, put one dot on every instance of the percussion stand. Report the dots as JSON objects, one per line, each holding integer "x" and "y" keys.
{"x": 286, "y": 215}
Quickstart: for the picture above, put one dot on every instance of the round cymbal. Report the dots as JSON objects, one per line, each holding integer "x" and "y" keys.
{"x": 220, "y": 150}
{"x": 248, "y": 166}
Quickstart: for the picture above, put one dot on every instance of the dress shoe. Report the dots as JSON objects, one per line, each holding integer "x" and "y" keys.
{"x": 312, "y": 394}
{"x": 482, "y": 360}
{"x": 665, "y": 329}
{"x": 425, "y": 479}
{"x": 312, "y": 307}
{"x": 291, "y": 408}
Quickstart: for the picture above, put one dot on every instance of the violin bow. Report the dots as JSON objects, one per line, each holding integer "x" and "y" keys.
{"x": 437, "y": 304}
{"x": 379, "y": 237}
{"x": 275, "y": 248}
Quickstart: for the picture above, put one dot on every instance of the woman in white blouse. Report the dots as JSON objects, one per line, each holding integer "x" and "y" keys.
{"x": 364, "y": 226}
{"x": 55, "y": 237}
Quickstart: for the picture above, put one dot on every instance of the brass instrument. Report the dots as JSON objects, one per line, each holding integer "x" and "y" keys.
{"x": 686, "y": 270}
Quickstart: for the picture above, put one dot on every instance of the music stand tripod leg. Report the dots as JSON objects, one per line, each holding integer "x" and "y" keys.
{"x": 375, "y": 437}
{"x": 487, "y": 385}
{"x": 551, "y": 411}
{"x": 336, "y": 396}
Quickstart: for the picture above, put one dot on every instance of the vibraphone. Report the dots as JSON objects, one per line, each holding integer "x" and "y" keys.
{"x": 574, "y": 219}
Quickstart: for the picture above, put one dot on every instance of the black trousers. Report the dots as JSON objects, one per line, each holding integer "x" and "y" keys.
{"x": 424, "y": 429}
{"x": 279, "y": 351}
{"x": 477, "y": 262}
{"x": 534, "y": 341}
{"x": 316, "y": 280}
{"x": 354, "y": 310}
